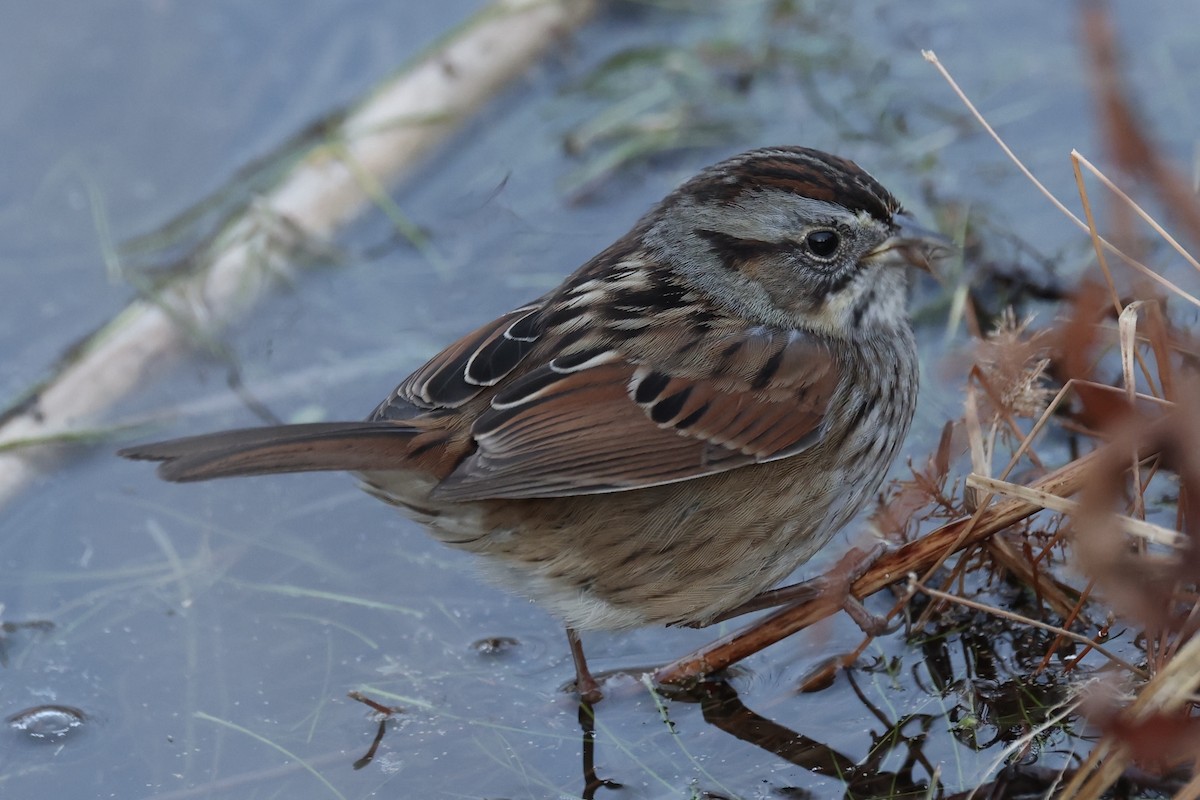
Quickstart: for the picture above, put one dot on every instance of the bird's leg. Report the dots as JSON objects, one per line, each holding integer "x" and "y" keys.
{"x": 850, "y": 568}
{"x": 585, "y": 684}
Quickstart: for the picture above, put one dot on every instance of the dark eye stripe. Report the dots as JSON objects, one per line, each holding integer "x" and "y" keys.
{"x": 733, "y": 250}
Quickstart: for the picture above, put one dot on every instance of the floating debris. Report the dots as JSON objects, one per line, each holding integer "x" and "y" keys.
{"x": 384, "y": 713}
{"x": 494, "y": 645}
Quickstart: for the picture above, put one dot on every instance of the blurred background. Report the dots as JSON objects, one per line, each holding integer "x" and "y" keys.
{"x": 209, "y": 633}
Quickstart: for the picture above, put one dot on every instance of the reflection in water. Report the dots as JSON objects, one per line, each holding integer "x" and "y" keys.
{"x": 591, "y": 783}
{"x": 917, "y": 775}
{"x": 39, "y": 625}
{"x": 722, "y": 707}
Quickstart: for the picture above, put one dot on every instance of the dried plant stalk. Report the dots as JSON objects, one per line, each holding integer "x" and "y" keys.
{"x": 1168, "y": 693}
{"x": 1135, "y": 527}
{"x": 332, "y": 184}
{"x": 918, "y": 556}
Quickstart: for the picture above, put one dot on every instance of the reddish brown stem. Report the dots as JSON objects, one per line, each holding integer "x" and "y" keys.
{"x": 918, "y": 556}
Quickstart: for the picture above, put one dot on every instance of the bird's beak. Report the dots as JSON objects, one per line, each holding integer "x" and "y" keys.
{"x": 912, "y": 244}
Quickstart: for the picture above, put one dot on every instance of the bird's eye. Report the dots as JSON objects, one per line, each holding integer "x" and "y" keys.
{"x": 823, "y": 243}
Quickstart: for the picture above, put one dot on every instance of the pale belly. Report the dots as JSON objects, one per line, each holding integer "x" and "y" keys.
{"x": 682, "y": 552}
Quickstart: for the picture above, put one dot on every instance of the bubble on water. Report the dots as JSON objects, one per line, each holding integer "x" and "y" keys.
{"x": 51, "y": 722}
{"x": 495, "y": 645}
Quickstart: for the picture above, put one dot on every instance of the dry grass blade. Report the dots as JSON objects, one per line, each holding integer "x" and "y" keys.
{"x": 1081, "y": 224}
{"x": 1135, "y": 527}
{"x": 918, "y": 556}
{"x": 1152, "y": 410}
{"x": 1165, "y": 695}
{"x": 1137, "y": 209}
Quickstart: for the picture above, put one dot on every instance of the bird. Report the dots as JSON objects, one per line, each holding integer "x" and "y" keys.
{"x": 675, "y": 428}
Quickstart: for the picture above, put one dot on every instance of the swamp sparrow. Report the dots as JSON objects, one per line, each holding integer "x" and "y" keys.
{"x": 681, "y": 423}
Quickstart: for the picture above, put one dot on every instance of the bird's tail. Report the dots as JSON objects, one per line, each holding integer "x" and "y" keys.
{"x": 311, "y": 447}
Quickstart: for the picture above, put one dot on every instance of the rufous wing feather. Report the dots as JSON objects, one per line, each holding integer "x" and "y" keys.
{"x": 600, "y": 424}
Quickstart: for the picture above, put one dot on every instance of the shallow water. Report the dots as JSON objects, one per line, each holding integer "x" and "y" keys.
{"x": 209, "y": 633}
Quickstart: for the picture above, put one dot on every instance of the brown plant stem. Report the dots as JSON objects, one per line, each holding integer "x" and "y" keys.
{"x": 919, "y": 556}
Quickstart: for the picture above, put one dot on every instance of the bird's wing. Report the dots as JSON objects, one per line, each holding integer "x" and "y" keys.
{"x": 597, "y": 421}
{"x": 475, "y": 362}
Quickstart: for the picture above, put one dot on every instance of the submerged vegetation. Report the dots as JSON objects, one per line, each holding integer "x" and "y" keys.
{"x": 1050, "y": 595}
{"x": 1042, "y": 577}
